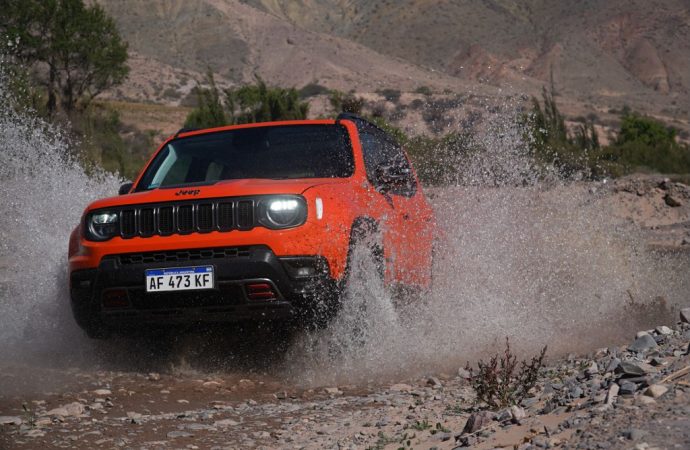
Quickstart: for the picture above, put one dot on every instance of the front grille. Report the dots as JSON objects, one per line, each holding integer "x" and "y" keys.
{"x": 184, "y": 255}
{"x": 201, "y": 216}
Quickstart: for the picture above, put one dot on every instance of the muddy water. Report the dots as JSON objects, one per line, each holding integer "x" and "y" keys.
{"x": 542, "y": 264}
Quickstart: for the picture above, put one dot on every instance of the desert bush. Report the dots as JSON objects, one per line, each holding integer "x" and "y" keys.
{"x": 499, "y": 382}
{"x": 424, "y": 90}
{"x": 349, "y": 103}
{"x": 391, "y": 95}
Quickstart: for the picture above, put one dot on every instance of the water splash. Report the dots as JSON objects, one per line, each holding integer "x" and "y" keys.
{"x": 534, "y": 257}
{"x": 44, "y": 191}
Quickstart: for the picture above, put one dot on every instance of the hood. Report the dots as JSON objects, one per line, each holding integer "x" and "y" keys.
{"x": 227, "y": 188}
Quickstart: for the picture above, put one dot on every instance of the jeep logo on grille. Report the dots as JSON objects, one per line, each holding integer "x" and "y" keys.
{"x": 187, "y": 192}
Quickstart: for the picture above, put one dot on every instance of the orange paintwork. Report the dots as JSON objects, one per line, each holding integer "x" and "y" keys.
{"x": 408, "y": 223}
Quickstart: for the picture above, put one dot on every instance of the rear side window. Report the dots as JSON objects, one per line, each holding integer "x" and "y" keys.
{"x": 273, "y": 152}
{"x": 380, "y": 150}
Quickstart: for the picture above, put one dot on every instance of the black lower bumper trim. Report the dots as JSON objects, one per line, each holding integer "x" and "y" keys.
{"x": 229, "y": 301}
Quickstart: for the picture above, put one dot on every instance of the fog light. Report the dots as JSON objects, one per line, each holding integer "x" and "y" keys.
{"x": 302, "y": 267}
{"x": 115, "y": 298}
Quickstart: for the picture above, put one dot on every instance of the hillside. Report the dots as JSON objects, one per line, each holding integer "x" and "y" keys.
{"x": 602, "y": 55}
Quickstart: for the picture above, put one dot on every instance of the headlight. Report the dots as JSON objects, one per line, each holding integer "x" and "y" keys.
{"x": 102, "y": 225}
{"x": 284, "y": 211}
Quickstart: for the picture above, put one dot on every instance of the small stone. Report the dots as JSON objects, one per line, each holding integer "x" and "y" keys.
{"x": 225, "y": 423}
{"x": 464, "y": 374}
{"x": 133, "y": 415}
{"x": 102, "y": 392}
{"x": 179, "y": 434}
{"x": 10, "y": 420}
{"x": 643, "y": 400}
{"x": 664, "y": 330}
{"x": 613, "y": 365}
{"x": 434, "y": 382}
{"x": 627, "y": 388}
{"x": 468, "y": 441}
{"x": 634, "y": 369}
{"x": 183, "y": 401}
{"x": 656, "y": 390}
{"x": 643, "y": 344}
{"x": 401, "y": 387}
{"x": 517, "y": 413}
{"x": 210, "y": 384}
{"x": 478, "y": 420}
{"x": 612, "y": 394}
{"x": 333, "y": 391}
{"x": 634, "y": 434}
{"x": 592, "y": 370}
{"x": 281, "y": 395}
{"x": 154, "y": 376}
{"x": 74, "y": 409}
{"x": 685, "y": 315}
{"x": 672, "y": 201}
{"x": 665, "y": 184}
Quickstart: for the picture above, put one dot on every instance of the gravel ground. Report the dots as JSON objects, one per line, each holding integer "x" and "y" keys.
{"x": 633, "y": 396}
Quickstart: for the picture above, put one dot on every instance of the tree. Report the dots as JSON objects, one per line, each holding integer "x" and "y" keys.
{"x": 209, "y": 112}
{"x": 262, "y": 103}
{"x": 75, "y": 48}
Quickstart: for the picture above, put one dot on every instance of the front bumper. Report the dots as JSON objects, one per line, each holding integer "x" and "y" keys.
{"x": 113, "y": 296}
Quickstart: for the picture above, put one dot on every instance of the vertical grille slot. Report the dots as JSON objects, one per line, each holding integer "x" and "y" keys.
{"x": 225, "y": 216}
{"x": 185, "y": 219}
{"x": 204, "y": 219}
{"x": 245, "y": 214}
{"x": 146, "y": 227}
{"x": 165, "y": 220}
{"x": 127, "y": 223}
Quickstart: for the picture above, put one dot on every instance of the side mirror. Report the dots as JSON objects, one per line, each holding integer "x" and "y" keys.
{"x": 125, "y": 188}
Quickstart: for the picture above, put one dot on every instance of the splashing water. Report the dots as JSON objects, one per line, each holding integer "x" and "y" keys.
{"x": 541, "y": 262}
{"x": 44, "y": 192}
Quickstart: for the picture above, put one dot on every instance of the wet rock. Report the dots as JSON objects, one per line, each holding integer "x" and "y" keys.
{"x": 477, "y": 421}
{"x": 102, "y": 392}
{"x": 656, "y": 390}
{"x": 10, "y": 420}
{"x": 592, "y": 369}
{"x": 665, "y": 184}
{"x": 154, "y": 376}
{"x": 643, "y": 344}
{"x": 643, "y": 400}
{"x": 333, "y": 391}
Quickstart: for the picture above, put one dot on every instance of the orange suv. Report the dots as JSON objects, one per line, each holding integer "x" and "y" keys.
{"x": 249, "y": 222}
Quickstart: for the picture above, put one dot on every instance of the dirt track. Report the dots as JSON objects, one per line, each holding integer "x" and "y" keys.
{"x": 201, "y": 393}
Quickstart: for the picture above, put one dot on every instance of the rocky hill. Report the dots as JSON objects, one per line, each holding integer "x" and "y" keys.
{"x": 601, "y": 54}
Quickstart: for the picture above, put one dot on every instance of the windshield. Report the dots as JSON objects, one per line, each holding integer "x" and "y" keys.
{"x": 274, "y": 152}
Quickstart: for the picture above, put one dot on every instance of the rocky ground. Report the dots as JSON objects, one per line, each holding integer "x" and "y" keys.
{"x": 633, "y": 396}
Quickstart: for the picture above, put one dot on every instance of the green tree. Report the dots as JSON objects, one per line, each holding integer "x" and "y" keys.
{"x": 76, "y": 48}
{"x": 262, "y": 103}
{"x": 209, "y": 112}
{"x": 646, "y": 143}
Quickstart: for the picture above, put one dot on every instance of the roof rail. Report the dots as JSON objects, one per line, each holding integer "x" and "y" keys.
{"x": 356, "y": 118}
{"x": 185, "y": 130}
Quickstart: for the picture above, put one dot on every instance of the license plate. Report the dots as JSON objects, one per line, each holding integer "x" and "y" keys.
{"x": 179, "y": 279}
